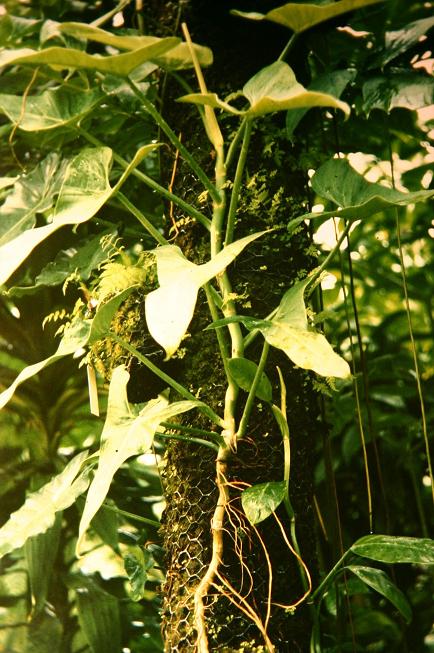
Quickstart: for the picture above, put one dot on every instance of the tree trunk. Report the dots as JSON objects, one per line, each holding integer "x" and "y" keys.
{"x": 277, "y": 191}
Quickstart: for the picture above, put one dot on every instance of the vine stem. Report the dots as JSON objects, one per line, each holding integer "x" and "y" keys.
{"x": 141, "y": 217}
{"x": 190, "y": 210}
{"x": 242, "y": 428}
{"x": 149, "y": 107}
{"x": 230, "y": 224}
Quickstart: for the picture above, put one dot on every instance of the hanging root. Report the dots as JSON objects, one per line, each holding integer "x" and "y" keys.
{"x": 202, "y": 589}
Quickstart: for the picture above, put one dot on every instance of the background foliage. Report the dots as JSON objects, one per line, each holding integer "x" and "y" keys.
{"x": 378, "y": 61}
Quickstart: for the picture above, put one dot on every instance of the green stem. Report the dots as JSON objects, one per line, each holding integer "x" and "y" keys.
{"x": 252, "y": 392}
{"x": 235, "y": 194}
{"x": 219, "y": 207}
{"x": 150, "y": 108}
{"x": 186, "y": 438}
{"x": 329, "y": 576}
{"x": 234, "y": 144}
{"x": 287, "y": 47}
{"x": 330, "y": 255}
{"x": 220, "y": 336}
{"x": 142, "y": 219}
{"x": 192, "y": 212}
{"x": 131, "y": 515}
{"x": 192, "y": 429}
{"x": 167, "y": 379}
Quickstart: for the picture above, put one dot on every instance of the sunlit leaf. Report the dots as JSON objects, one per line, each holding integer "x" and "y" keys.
{"x": 301, "y": 16}
{"x": 126, "y": 433}
{"x": 404, "y": 90}
{"x": 260, "y": 501}
{"x": 5, "y": 182}
{"x": 54, "y": 108}
{"x": 176, "y": 58}
{"x": 332, "y": 83}
{"x": 337, "y": 181}
{"x": 85, "y": 190}
{"x": 381, "y": 583}
{"x": 273, "y": 88}
{"x": 32, "y": 194}
{"x": 387, "y": 548}
{"x": 170, "y": 308}
{"x": 38, "y": 512}
{"x": 306, "y": 348}
{"x": 243, "y": 372}
{"x": 61, "y": 58}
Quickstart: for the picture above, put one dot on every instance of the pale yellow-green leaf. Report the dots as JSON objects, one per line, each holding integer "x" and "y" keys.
{"x": 38, "y": 512}
{"x": 85, "y": 190}
{"x": 170, "y": 308}
{"x": 125, "y": 434}
{"x": 273, "y": 88}
{"x": 61, "y": 58}
{"x": 5, "y": 182}
{"x": 301, "y": 16}
{"x": 177, "y": 57}
{"x": 307, "y": 349}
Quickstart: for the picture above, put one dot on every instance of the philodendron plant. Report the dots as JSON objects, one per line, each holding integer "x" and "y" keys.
{"x": 61, "y": 192}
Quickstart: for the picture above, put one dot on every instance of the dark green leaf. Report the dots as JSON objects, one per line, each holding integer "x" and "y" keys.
{"x": 260, "y": 501}
{"x": 137, "y": 563}
{"x": 381, "y": 583}
{"x": 386, "y": 548}
{"x": 40, "y": 553}
{"x": 99, "y": 617}
{"x": 333, "y": 83}
{"x": 399, "y": 41}
{"x": 337, "y": 181}
{"x": 101, "y": 322}
{"x": 405, "y": 90}
{"x": 243, "y": 371}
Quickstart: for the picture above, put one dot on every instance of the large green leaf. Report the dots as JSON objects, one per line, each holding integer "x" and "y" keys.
{"x": 333, "y": 83}
{"x": 98, "y": 616}
{"x": 243, "y": 371}
{"x": 273, "y": 88}
{"x": 404, "y": 90}
{"x": 337, "y": 181}
{"x": 32, "y": 194}
{"x": 387, "y": 548}
{"x": 381, "y": 583}
{"x": 176, "y": 58}
{"x": 127, "y": 432}
{"x": 85, "y": 190}
{"x": 170, "y": 308}
{"x": 56, "y": 107}
{"x": 288, "y": 331}
{"x": 38, "y": 512}
{"x": 61, "y": 58}
{"x": 260, "y": 501}
{"x": 301, "y": 16}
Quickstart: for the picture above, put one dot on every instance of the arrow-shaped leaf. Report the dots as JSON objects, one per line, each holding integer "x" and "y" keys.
{"x": 273, "y": 88}
{"x": 60, "y": 58}
{"x": 85, "y": 190}
{"x": 357, "y": 198}
{"x": 54, "y": 108}
{"x": 170, "y": 308}
{"x": 176, "y": 58}
{"x": 301, "y": 16}
{"x": 289, "y": 332}
{"x": 386, "y": 548}
{"x": 38, "y": 512}
{"x": 126, "y": 433}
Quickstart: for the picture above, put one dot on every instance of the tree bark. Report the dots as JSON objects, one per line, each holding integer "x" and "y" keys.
{"x": 277, "y": 191}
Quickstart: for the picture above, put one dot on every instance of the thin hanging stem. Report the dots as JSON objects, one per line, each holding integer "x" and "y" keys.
{"x": 287, "y": 47}
{"x": 131, "y": 515}
{"x": 190, "y": 210}
{"x": 234, "y": 144}
{"x": 252, "y": 392}
{"x": 410, "y": 326}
